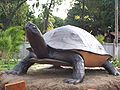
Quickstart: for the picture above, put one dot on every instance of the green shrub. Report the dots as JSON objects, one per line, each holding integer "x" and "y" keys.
{"x": 100, "y": 38}
{"x": 10, "y": 41}
{"x": 116, "y": 63}
{"x": 17, "y": 37}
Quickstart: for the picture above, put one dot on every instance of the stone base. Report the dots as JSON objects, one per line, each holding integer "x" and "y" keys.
{"x": 40, "y": 78}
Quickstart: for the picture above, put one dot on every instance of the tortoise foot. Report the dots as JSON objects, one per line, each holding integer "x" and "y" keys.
{"x": 14, "y": 72}
{"x": 73, "y": 81}
{"x": 116, "y": 73}
{"x": 20, "y": 68}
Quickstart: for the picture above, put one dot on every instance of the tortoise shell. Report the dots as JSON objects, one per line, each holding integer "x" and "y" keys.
{"x": 76, "y": 39}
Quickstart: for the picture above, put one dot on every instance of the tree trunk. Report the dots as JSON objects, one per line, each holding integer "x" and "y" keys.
{"x": 82, "y": 16}
{"x": 47, "y": 15}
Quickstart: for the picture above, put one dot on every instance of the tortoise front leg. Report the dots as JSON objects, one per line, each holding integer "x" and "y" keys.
{"x": 78, "y": 70}
{"x": 22, "y": 67}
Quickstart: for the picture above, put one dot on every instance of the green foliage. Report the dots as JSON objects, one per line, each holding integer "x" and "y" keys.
{"x": 7, "y": 66}
{"x": 58, "y": 22}
{"x": 17, "y": 36}
{"x": 39, "y": 21}
{"x": 22, "y": 16}
{"x": 116, "y": 63}
{"x": 100, "y": 38}
{"x": 45, "y": 18}
{"x": 78, "y": 16}
{"x": 97, "y": 15}
{"x": 14, "y": 13}
{"x": 51, "y": 20}
{"x": 5, "y": 42}
{"x": 10, "y": 40}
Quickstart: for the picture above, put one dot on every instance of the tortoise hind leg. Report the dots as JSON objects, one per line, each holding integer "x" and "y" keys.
{"x": 78, "y": 70}
{"x": 110, "y": 68}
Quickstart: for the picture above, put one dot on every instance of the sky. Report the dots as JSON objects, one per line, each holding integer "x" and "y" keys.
{"x": 60, "y": 11}
{"x": 63, "y": 9}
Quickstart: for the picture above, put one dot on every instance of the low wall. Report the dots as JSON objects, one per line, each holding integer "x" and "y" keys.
{"x": 23, "y": 51}
{"x": 109, "y": 47}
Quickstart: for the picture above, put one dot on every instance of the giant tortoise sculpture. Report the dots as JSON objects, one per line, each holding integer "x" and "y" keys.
{"x": 65, "y": 45}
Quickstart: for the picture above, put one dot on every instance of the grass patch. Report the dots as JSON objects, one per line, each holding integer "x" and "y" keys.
{"x": 7, "y": 66}
{"x": 116, "y": 62}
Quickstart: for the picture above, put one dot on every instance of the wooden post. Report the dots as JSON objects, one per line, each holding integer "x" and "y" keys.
{"x": 16, "y": 86}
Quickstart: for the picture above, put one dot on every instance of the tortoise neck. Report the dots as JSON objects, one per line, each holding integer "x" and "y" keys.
{"x": 38, "y": 44}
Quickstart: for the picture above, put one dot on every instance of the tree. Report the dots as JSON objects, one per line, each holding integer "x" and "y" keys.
{"x": 78, "y": 15}
{"x": 40, "y": 22}
{"x": 47, "y": 9}
{"x": 58, "y": 22}
{"x": 45, "y": 19}
{"x": 98, "y": 15}
{"x": 8, "y": 9}
{"x": 22, "y": 16}
{"x": 15, "y": 12}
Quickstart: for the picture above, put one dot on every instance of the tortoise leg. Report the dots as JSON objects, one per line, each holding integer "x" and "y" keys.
{"x": 78, "y": 70}
{"x": 22, "y": 67}
{"x": 110, "y": 68}
{"x": 75, "y": 60}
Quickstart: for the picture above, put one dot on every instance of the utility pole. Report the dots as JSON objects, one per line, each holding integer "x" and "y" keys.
{"x": 116, "y": 31}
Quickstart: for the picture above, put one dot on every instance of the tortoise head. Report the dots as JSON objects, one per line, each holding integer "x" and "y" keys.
{"x": 36, "y": 40}
{"x": 30, "y": 27}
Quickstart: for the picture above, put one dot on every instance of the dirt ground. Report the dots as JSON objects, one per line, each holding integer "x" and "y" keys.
{"x": 39, "y": 77}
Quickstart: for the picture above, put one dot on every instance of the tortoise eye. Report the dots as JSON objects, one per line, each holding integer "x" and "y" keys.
{"x": 34, "y": 26}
